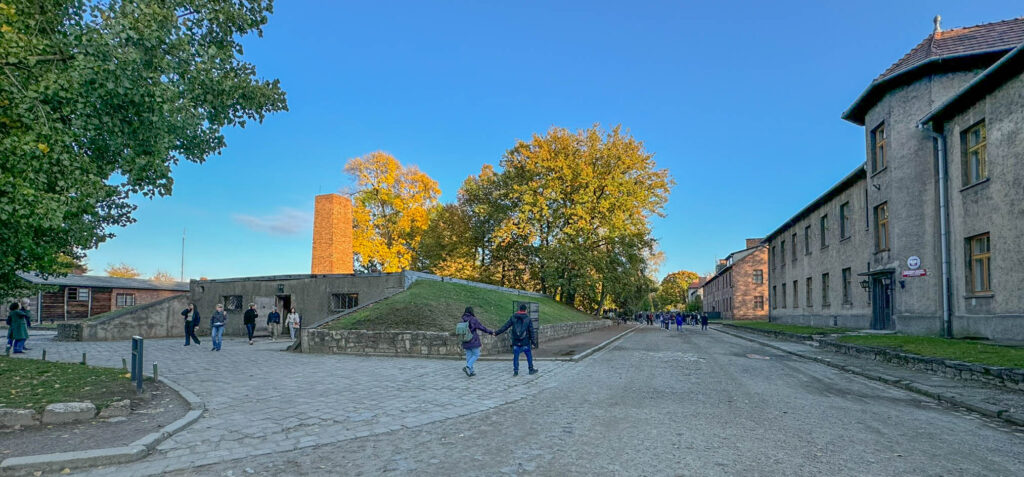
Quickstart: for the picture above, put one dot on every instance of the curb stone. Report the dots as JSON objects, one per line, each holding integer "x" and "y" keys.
{"x": 112, "y": 455}
{"x": 978, "y": 407}
{"x": 586, "y": 354}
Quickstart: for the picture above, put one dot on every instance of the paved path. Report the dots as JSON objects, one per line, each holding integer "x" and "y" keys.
{"x": 262, "y": 400}
{"x": 656, "y": 403}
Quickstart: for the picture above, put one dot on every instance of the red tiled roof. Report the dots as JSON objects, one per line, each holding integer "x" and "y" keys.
{"x": 1001, "y": 35}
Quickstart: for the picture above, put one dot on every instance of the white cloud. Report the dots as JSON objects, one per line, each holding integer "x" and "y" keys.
{"x": 286, "y": 221}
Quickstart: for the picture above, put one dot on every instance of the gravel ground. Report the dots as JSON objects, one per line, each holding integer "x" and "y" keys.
{"x": 690, "y": 403}
{"x": 163, "y": 407}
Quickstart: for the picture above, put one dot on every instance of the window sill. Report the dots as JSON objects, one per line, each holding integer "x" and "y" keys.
{"x": 823, "y": 247}
{"x": 823, "y": 307}
{"x": 873, "y": 174}
{"x": 981, "y": 295}
{"x": 845, "y": 238}
{"x": 983, "y": 181}
{"x": 884, "y": 250}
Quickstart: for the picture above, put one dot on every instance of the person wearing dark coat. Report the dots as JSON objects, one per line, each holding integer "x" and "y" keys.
{"x": 523, "y": 336}
{"x": 249, "y": 319}
{"x": 472, "y": 346}
{"x": 17, "y": 332}
{"x": 704, "y": 322}
{"x": 191, "y": 316}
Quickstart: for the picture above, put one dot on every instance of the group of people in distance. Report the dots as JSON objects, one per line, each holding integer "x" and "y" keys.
{"x": 18, "y": 323}
{"x": 519, "y": 326}
{"x": 665, "y": 319}
{"x": 220, "y": 318}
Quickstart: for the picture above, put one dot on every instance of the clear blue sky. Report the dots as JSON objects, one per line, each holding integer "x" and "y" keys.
{"x": 733, "y": 97}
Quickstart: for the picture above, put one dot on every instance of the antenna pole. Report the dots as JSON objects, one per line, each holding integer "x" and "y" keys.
{"x": 182, "y": 255}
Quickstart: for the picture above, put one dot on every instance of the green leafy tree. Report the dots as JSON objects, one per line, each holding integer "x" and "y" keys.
{"x": 695, "y": 305}
{"x": 98, "y": 100}
{"x": 674, "y": 287}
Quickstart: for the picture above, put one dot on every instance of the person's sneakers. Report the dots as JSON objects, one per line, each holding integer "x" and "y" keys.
{"x": 186, "y": 344}
{"x": 472, "y": 373}
{"x": 465, "y": 369}
{"x": 213, "y": 349}
{"x": 515, "y": 373}
{"x": 533, "y": 371}
{"x": 197, "y": 342}
{"x": 250, "y": 342}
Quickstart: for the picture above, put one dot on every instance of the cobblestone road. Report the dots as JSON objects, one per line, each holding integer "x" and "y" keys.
{"x": 262, "y": 400}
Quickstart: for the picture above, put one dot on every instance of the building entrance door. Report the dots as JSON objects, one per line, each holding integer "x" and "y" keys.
{"x": 881, "y": 303}
{"x": 264, "y": 305}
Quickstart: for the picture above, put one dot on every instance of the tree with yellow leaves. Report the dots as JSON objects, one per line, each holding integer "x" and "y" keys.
{"x": 391, "y": 210}
{"x": 122, "y": 270}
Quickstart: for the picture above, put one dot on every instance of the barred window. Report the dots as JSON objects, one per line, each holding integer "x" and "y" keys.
{"x": 344, "y": 301}
{"x": 233, "y": 302}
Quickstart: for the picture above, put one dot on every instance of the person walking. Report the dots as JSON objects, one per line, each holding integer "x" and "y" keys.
{"x": 472, "y": 347}
{"x": 27, "y": 310}
{"x": 679, "y": 322}
{"x": 293, "y": 323}
{"x": 274, "y": 324}
{"x": 704, "y": 322}
{"x": 523, "y": 336}
{"x": 191, "y": 316}
{"x": 17, "y": 331}
{"x": 249, "y": 320}
{"x": 217, "y": 322}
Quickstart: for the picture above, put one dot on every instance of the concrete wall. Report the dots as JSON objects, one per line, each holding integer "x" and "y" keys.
{"x": 310, "y": 295}
{"x": 814, "y": 259}
{"x": 422, "y": 343}
{"x": 992, "y": 206}
{"x": 159, "y": 319}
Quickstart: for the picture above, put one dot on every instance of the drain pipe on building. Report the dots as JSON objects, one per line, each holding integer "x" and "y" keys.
{"x": 940, "y": 139}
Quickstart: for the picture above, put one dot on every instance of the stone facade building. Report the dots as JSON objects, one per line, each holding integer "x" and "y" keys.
{"x": 940, "y": 246}
{"x": 738, "y": 290}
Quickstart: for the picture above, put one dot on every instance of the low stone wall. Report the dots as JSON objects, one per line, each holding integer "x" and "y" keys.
{"x": 1007, "y": 377}
{"x": 424, "y": 343}
{"x": 159, "y": 319}
{"x": 782, "y": 335}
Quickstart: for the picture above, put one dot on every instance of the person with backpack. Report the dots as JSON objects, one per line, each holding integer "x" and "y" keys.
{"x": 679, "y": 322}
{"x": 523, "y": 336}
{"x": 191, "y": 315}
{"x": 467, "y": 330}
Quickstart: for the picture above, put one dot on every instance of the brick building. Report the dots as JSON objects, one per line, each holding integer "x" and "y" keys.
{"x": 924, "y": 237}
{"x": 79, "y": 297}
{"x": 738, "y": 290}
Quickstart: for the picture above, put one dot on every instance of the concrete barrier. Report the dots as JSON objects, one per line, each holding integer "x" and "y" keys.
{"x": 159, "y": 319}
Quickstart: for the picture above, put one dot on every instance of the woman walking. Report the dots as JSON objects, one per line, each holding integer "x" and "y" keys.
{"x": 472, "y": 346}
{"x": 294, "y": 321}
{"x": 217, "y": 322}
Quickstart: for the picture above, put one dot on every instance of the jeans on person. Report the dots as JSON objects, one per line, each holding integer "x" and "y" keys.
{"x": 249, "y": 329}
{"x": 275, "y": 329}
{"x": 190, "y": 333}
{"x": 515, "y": 356}
{"x": 217, "y": 335}
{"x": 19, "y": 346}
{"x": 472, "y": 355}
{"x": 292, "y": 329}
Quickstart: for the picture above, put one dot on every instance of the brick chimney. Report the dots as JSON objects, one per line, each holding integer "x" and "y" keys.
{"x": 332, "y": 235}
{"x": 753, "y": 242}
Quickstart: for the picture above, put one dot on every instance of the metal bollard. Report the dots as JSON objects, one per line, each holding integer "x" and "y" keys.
{"x": 124, "y": 364}
{"x": 154, "y": 371}
{"x": 83, "y": 358}
{"x": 44, "y": 355}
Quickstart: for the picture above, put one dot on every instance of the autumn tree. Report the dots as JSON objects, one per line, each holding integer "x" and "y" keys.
{"x": 99, "y": 100}
{"x": 391, "y": 211}
{"x": 674, "y": 288}
{"x": 122, "y": 270}
{"x": 163, "y": 277}
{"x": 444, "y": 248}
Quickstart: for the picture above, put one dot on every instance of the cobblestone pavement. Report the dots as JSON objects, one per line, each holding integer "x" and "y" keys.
{"x": 263, "y": 400}
{"x": 690, "y": 403}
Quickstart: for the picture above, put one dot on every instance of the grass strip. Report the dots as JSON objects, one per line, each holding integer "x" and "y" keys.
{"x": 798, "y": 329}
{"x": 33, "y": 384}
{"x": 958, "y": 350}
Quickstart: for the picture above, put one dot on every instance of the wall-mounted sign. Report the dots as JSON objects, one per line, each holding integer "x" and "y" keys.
{"x": 915, "y": 273}
{"x": 914, "y": 262}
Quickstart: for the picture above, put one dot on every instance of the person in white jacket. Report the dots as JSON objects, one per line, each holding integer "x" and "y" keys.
{"x": 293, "y": 322}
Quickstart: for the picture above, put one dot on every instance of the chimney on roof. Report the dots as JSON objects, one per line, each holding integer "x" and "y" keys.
{"x": 753, "y": 242}
{"x": 938, "y": 24}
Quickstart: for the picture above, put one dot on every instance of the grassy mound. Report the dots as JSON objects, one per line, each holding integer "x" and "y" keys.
{"x": 33, "y": 384}
{"x": 959, "y": 350}
{"x": 437, "y": 306}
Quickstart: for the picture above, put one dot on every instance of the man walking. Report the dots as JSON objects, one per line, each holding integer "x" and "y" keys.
{"x": 703, "y": 322}
{"x": 523, "y": 335}
{"x": 472, "y": 346}
{"x": 191, "y": 322}
{"x": 217, "y": 322}
{"x": 274, "y": 324}
{"x": 249, "y": 320}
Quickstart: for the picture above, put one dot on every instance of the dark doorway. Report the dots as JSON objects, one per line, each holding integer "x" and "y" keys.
{"x": 881, "y": 302}
{"x": 284, "y": 306}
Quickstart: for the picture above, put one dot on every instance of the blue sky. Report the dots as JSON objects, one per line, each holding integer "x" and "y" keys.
{"x": 740, "y": 100}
